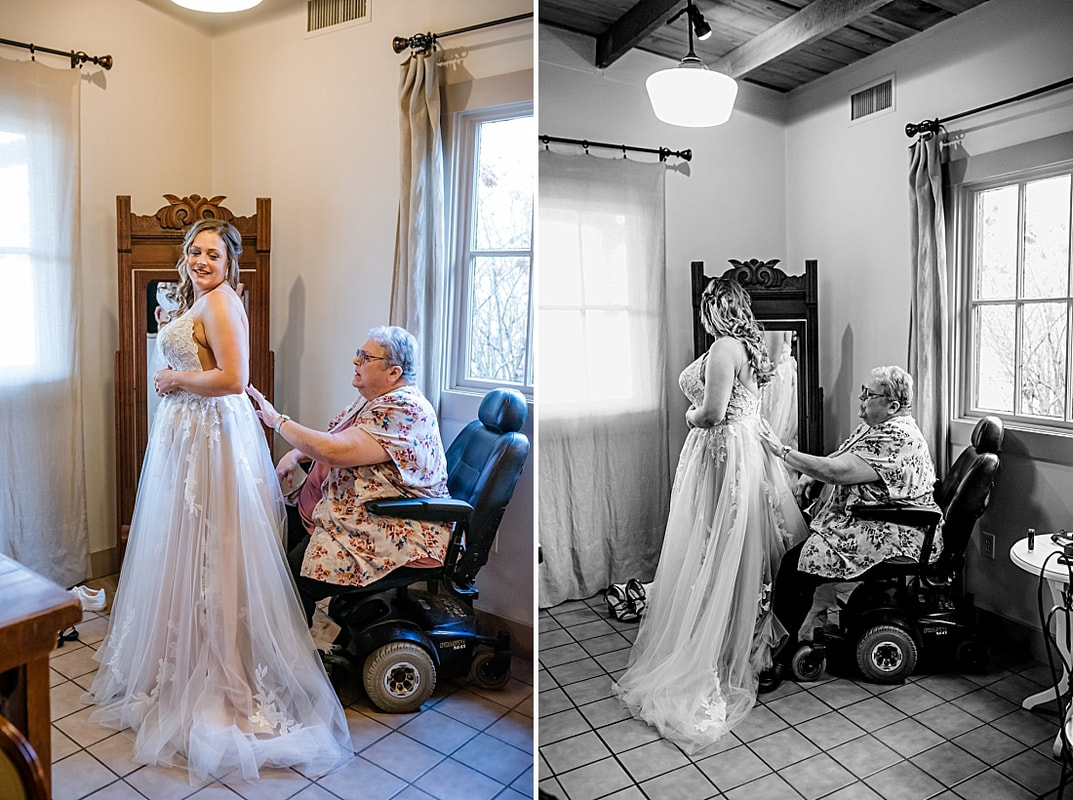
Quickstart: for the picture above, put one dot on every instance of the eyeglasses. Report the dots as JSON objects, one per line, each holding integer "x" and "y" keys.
{"x": 361, "y": 357}
{"x": 868, "y": 394}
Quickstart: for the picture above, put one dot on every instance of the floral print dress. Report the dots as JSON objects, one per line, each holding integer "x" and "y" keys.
{"x": 351, "y": 546}
{"x": 842, "y": 546}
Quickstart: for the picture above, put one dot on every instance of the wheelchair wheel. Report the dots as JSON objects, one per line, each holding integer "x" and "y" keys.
{"x": 808, "y": 663}
{"x": 886, "y": 654}
{"x": 399, "y": 677}
{"x": 490, "y": 670}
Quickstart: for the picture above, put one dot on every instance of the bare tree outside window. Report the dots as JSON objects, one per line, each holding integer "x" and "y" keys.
{"x": 1020, "y": 301}
{"x": 498, "y": 252}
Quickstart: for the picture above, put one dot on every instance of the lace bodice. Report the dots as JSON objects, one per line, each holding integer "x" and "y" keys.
{"x": 743, "y": 403}
{"x": 176, "y": 342}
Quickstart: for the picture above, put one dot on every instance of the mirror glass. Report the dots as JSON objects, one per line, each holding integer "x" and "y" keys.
{"x": 161, "y": 301}
{"x": 779, "y": 400}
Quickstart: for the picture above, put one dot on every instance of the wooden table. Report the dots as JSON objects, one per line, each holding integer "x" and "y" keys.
{"x": 33, "y": 610}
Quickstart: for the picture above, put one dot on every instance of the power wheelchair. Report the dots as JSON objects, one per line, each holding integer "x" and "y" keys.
{"x": 403, "y": 639}
{"x": 903, "y": 608}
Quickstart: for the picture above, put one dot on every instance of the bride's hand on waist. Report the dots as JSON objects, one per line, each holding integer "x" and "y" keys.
{"x": 166, "y": 381}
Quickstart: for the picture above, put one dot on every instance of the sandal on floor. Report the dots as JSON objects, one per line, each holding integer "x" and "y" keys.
{"x": 618, "y": 604}
{"x": 636, "y": 596}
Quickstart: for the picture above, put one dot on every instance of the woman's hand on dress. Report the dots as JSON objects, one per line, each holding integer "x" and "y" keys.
{"x": 689, "y": 420}
{"x": 166, "y": 381}
{"x": 771, "y": 442}
{"x": 266, "y": 412}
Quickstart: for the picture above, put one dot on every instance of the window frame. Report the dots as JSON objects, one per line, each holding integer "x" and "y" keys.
{"x": 464, "y": 126}
{"x": 963, "y": 268}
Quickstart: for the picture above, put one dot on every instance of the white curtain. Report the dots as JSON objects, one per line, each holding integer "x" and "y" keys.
{"x": 42, "y": 477}
{"x": 929, "y": 356}
{"x": 602, "y": 392}
{"x": 419, "y": 281}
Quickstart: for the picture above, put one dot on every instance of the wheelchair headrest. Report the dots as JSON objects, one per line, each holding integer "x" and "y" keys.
{"x": 987, "y": 435}
{"x": 503, "y": 410}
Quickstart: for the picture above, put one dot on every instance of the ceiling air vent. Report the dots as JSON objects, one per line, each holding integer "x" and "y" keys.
{"x": 872, "y": 99}
{"x": 322, "y": 14}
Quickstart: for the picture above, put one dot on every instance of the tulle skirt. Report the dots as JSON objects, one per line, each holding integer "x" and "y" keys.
{"x": 709, "y": 628}
{"x": 208, "y": 657}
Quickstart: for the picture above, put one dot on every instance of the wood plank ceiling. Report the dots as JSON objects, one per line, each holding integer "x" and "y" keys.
{"x": 779, "y": 44}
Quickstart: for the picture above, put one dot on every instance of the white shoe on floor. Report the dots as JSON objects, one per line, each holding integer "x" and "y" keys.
{"x": 91, "y": 599}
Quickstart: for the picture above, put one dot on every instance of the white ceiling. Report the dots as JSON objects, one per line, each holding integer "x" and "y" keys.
{"x": 221, "y": 23}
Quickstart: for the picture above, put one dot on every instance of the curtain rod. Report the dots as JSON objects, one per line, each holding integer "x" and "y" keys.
{"x": 77, "y": 58}
{"x": 932, "y": 125}
{"x": 663, "y": 152}
{"x": 423, "y": 42}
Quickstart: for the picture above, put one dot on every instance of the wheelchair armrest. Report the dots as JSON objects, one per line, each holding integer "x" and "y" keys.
{"x": 920, "y": 516}
{"x": 430, "y": 509}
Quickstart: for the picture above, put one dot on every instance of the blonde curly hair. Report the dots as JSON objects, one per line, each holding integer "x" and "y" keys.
{"x": 725, "y": 310}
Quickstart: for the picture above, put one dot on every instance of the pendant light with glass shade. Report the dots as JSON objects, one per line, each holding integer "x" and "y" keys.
{"x": 691, "y": 95}
{"x": 217, "y": 6}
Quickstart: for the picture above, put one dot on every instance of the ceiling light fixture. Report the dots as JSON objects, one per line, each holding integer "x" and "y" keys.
{"x": 217, "y": 6}
{"x": 700, "y": 25}
{"x": 691, "y": 95}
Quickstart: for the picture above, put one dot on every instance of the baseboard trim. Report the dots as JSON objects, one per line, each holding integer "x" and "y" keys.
{"x": 1011, "y": 635}
{"x": 521, "y": 635}
{"x": 102, "y": 563}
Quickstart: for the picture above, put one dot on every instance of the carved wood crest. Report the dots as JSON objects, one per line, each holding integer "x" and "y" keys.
{"x": 762, "y": 274}
{"x": 184, "y": 211}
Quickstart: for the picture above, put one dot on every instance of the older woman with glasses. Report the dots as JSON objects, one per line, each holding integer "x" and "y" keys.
{"x": 384, "y": 444}
{"x": 885, "y": 460}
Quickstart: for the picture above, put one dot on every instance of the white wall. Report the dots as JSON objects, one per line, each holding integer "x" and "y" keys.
{"x": 265, "y": 111}
{"x": 312, "y": 122}
{"x": 847, "y": 200}
{"x": 728, "y": 202}
{"x": 146, "y": 130}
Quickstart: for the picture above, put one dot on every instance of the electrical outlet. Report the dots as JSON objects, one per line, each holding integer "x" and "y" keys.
{"x": 987, "y": 545}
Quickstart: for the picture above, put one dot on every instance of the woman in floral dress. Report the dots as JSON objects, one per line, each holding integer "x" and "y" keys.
{"x": 885, "y": 460}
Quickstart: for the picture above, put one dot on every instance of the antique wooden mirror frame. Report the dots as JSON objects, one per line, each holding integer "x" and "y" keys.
{"x": 148, "y": 248}
{"x": 780, "y": 302}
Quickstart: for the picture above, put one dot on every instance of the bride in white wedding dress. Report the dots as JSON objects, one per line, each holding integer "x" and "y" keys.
{"x": 709, "y": 629}
{"x": 208, "y": 657}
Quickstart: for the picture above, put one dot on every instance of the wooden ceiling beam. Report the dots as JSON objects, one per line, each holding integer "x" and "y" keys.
{"x": 633, "y": 26}
{"x": 814, "y": 21}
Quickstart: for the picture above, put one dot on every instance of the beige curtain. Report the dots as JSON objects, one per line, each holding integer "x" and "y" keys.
{"x": 929, "y": 356}
{"x": 419, "y": 282}
{"x": 42, "y": 470}
{"x": 602, "y": 442}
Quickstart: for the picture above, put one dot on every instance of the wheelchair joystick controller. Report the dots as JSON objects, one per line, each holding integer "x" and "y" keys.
{"x": 1031, "y": 539}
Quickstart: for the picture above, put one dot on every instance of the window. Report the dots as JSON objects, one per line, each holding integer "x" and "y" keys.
{"x": 18, "y": 330}
{"x": 493, "y": 249}
{"x": 1018, "y": 299}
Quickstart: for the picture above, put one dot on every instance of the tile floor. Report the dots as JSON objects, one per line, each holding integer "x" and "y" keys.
{"x": 937, "y": 736}
{"x": 466, "y": 743}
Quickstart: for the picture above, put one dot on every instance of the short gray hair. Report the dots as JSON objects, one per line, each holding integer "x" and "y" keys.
{"x": 401, "y": 347}
{"x": 896, "y": 383}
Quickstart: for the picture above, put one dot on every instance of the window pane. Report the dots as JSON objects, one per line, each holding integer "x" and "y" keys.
{"x": 560, "y": 259}
{"x": 504, "y": 184}
{"x": 560, "y": 337}
{"x": 996, "y": 243}
{"x": 15, "y": 206}
{"x": 1047, "y": 237}
{"x": 609, "y": 363}
{"x": 993, "y": 365}
{"x": 1043, "y": 363}
{"x": 499, "y": 318}
{"x": 18, "y": 337}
